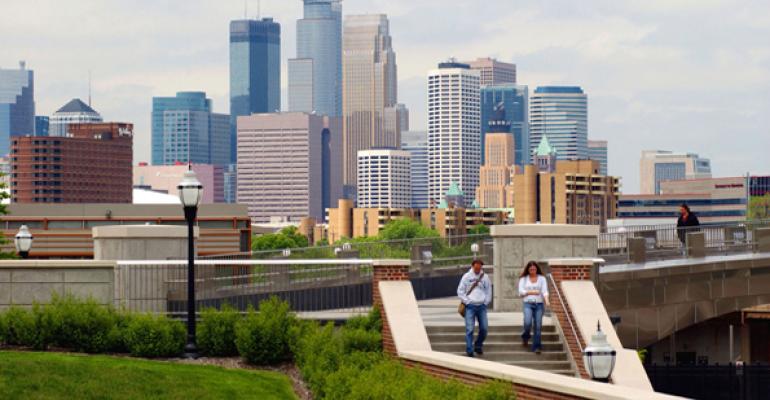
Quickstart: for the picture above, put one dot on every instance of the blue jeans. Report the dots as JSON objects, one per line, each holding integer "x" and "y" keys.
{"x": 472, "y": 313}
{"x": 533, "y": 313}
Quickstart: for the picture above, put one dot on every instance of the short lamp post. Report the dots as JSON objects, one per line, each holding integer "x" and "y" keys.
{"x": 599, "y": 356}
{"x": 190, "y": 193}
{"x": 23, "y": 241}
{"x": 475, "y": 250}
{"x": 286, "y": 253}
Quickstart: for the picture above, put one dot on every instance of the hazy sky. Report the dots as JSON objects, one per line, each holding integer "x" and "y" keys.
{"x": 683, "y": 75}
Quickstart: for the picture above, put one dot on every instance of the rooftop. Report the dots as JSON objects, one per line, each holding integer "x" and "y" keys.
{"x": 76, "y": 106}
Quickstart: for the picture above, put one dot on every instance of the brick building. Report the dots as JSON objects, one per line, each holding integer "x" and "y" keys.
{"x": 92, "y": 164}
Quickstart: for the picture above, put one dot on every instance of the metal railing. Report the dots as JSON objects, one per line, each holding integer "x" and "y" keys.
{"x": 307, "y": 285}
{"x": 667, "y": 241}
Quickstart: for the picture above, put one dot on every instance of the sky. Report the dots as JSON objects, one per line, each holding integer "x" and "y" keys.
{"x": 681, "y": 75}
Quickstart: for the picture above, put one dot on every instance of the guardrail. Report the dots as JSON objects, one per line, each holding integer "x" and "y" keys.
{"x": 664, "y": 241}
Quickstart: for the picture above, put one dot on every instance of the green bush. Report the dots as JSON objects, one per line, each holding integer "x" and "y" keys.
{"x": 318, "y": 352}
{"x": 147, "y": 335}
{"x": 83, "y": 325}
{"x": 46, "y": 323}
{"x": 19, "y": 327}
{"x": 360, "y": 340}
{"x": 116, "y": 337}
{"x": 216, "y": 331}
{"x": 263, "y": 338}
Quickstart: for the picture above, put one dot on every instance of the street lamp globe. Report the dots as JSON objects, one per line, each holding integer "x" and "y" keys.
{"x": 599, "y": 356}
{"x": 23, "y": 241}
{"x": 190, "y": 190}
{"x": 475, "y": 248}
{"x": 286, "y": 252}
{"x": 346, "y": 246}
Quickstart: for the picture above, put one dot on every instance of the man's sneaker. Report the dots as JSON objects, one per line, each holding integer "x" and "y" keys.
{"x": 469, "y": 354}
{"x": 480, "y": 352}
{"x": 537, "y": 351}
{"x": 525, "y": 342}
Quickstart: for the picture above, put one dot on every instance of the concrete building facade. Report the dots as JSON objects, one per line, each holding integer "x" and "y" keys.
{"x": 90, "y": 165}
{"x": 561, "y": 113}
{"x": 656, "y": 166}
{"x": 574, "y": 193}
{"x": 496, "y": 173}
{"x": 493, "y": 72}
{"x": 454, "y": 136}
{"x": 17, "y": 104}
{"x": 281, "y": 167}
{"x": 166, "y": 178}
{"x": 369, "y": 86}
{"x": 384, "y": 179}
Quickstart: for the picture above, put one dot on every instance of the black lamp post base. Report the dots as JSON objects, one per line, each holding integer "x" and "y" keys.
{"x": 603, "y": 380}
{"x": 191, "y": 351}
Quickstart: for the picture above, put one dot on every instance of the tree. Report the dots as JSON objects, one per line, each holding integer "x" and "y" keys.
{"x": 4, "y": 211}
{"x": 405, "y": 228}
{"x": 759, "y": 207}
{"x": 479, "y": 229}
{"x": 287, "y": 238}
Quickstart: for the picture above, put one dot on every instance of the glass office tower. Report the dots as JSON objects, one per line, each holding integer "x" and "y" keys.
{"x": 17, "y": 104}
{"x": 315, "y": 76}
{"x": 514, "y": 102}
{"x": 255, "y": 70}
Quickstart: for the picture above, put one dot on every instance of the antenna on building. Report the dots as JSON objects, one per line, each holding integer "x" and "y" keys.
{"x": 259, "y": 9}
{"x": 89, "y": 88}
{"x": 245, "y": 9}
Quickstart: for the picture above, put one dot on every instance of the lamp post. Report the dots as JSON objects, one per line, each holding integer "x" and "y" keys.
{"x": 23, "y": 241}
{"x": 286, "y": 253}
{"x": 190, "y": 193}
{"x": 475, "y": 250}
{"x": 599, "y": 356}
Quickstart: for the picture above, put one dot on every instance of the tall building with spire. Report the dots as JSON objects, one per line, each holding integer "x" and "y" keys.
{"x": 561, "y": 113}
{"x": 74, "y": 112}
{"x": 369, "y": 87}
{"x": 315, "y": 75}
{"x": 255, "y": 70}
{"x": 454, "y": 142}
{"x": 545, "y": 156}
{"x": 17, "y": 104}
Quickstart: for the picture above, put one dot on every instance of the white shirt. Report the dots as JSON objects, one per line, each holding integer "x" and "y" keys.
{"x": 526, "y": 285}
{"x": 481, "y": 294}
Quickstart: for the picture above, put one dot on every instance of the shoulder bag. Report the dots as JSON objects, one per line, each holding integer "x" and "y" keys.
{"x": 461, "y": 307}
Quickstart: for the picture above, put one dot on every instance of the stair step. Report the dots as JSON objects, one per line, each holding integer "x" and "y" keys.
{"x": 497, "y": 328}
{"x": 535, "y": 364}
{"x": 496, "y": 346}
{"x": 492, "y": 337}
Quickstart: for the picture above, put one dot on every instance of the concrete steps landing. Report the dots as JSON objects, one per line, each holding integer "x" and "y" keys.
{"x": 503, "y": 345}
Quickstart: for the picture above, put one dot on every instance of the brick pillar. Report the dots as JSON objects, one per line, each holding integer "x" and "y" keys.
{"x": 569, "y": 270}
{"x": 387, "y": 270}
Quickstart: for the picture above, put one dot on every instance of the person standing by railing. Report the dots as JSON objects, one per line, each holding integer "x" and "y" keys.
{"x": 684, "y": 225}
{"x": 475, "y": 292}
{"x": 533, "y": 288}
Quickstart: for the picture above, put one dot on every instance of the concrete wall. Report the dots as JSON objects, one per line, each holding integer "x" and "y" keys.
{"x": 23, "y": 282}
{"x": 515, "y": 245}
{"x": 141, "y": 242}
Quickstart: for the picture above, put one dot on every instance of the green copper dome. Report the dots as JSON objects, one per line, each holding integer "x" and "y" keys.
{"x": 544, "y": 148}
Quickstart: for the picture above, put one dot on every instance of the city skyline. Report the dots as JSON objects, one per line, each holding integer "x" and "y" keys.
{"x": 715, "y": 87}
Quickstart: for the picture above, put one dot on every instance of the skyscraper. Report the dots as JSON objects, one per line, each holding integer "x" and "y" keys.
{"x": 74, "y": 112}
{"x": 184, "y": 129}
{"x": 384, "y": 179}
{"x": 255, "y": 70}
{"x": 416, "y": 143}
{"x": 369, "y": 87}
{"x": 454, "y": 137}
{"x": 661, "y": 165}
{"x": 597, "y": 150}
{"x": 494, "y": 72}
{"x": 42, "y": 123}
{"x": 315, "y": 76}
{"x": 17, "y": 104}
{"x": 561, "y": 112}
{"x": 515, "y": 116}
{"x": 495, "y": 174}
{"x": 281, "y": 170}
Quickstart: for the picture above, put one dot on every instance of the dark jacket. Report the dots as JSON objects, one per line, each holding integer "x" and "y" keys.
{"x": 683, "y": 226}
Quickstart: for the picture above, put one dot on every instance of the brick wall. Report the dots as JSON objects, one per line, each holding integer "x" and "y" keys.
{"x": 386, "y": 273}
{"x": 523, "y": 392}
{"x": 563, "y": 313}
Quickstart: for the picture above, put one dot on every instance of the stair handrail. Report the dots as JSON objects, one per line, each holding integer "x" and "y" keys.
{"x": 566, "y": 312}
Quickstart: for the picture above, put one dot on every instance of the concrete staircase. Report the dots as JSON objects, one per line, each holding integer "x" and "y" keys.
{"x": 503, "y": 345}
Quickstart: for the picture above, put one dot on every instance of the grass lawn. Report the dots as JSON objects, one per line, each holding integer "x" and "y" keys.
{"x": 29, "y": 375}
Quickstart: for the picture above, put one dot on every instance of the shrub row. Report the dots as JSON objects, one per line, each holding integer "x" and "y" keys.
{"x": 89, "y": 327}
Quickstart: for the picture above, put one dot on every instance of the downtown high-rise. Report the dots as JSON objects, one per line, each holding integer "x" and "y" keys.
{"x": 17, "y": 104}
{"x": 186, "y": 130}
{"x": 509, "y": 102}
{"x": 454, "y": 136}
{"x": 369, "y": 88}
{"x": 255, "y": 70}
{"x": 416, "y": 143}
{"x": 561, "y": 113}
{"x": 315, "y": 75}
